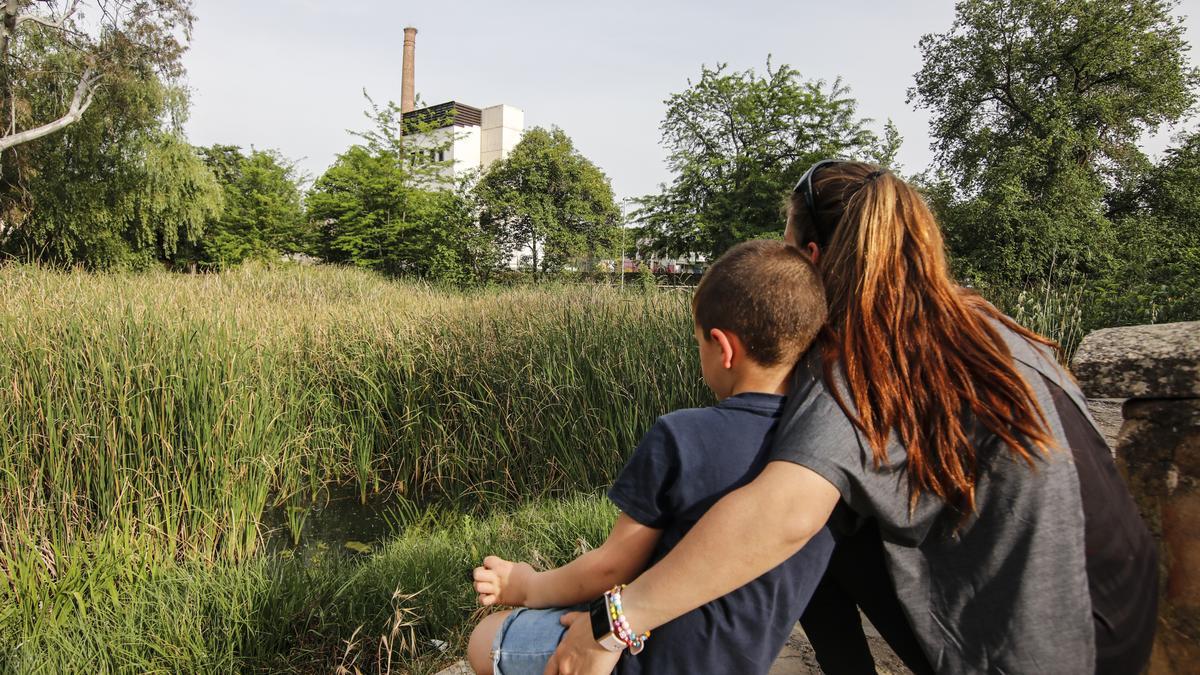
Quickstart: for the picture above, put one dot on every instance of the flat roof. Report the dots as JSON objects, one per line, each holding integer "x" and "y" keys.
{"x": 448, "y": 114}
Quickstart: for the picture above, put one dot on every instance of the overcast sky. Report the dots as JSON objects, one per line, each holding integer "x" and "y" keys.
{"x": 289, "y": 74}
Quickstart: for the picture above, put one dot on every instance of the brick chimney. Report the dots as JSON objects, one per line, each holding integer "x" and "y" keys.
{"x": 407, "y": 86}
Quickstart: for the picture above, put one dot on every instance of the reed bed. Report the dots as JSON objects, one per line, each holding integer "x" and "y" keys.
{"x": 177, "y": 409}
{"x": 405, "y": 608}
{"x": 153, "y": 425}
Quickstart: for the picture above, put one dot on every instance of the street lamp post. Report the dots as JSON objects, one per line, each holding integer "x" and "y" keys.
{"x": 621, "y": 257}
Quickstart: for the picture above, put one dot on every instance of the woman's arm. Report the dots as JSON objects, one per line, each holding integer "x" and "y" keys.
{"x": 746, "y": 534}
{"x": 622, "y": 556}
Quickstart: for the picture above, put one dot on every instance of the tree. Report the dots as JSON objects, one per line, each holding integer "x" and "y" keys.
{"x": 153, "y": 205}
{"x": 1037, "y": 108}
{"x": 388, "y": 204}
{"x": 72, "y": 196}
{"x": 548, "y": 198}
{"x": 118, "y": 188}
{"x": 173, "y": 198}
{"x": 117, "y": 34}
{"x": 264, "y": 211}
{"x": 736, "y": 142}
{"x": 1157, "y": 224}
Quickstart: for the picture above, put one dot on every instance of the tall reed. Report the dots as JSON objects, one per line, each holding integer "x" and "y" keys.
{"x": 405, "y": 608}
{"x": 177, "y": 409}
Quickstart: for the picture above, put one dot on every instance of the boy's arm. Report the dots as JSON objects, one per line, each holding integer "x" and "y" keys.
{"x": 620, "y": 559}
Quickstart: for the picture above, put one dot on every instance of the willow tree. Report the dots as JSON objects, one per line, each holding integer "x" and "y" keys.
{"x": 103, "y": 35}
{"x": 89, "y": 95}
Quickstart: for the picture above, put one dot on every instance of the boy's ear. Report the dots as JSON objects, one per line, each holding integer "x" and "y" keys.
{"x": 730, "y": 346}
{"x": 814, "y": 252}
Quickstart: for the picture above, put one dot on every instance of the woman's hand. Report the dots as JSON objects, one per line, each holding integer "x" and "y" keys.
{"x": 578, "y": 653}
{"x": 502, "y": 582}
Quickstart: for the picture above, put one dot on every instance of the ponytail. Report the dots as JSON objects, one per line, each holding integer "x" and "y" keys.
{"x": 920, "y": 354}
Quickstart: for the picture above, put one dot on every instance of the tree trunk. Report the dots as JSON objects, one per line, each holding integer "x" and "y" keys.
{"x": 85, "y": 92}
{"x": 11, "y": 10}
{"x": 533, "y": 248}
{"x": 8, "y": 27}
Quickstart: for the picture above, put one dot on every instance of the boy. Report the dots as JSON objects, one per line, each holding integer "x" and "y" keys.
{"x": 757, "y": 310}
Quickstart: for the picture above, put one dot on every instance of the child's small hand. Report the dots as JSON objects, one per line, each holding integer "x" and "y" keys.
{"x": 500, "y": 582}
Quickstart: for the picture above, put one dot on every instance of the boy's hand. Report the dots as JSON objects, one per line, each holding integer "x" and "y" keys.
{"x": 500, "y": 582}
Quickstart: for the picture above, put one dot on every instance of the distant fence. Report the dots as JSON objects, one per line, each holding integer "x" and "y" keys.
{"x": 665, "y": 279}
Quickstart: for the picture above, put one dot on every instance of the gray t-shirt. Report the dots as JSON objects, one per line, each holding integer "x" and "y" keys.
{"x": 1003, "y": 592}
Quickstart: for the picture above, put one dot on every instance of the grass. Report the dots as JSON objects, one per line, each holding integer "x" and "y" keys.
{"x": 178, "y": 409}
{"x": 155, "y": 425}
{"x": 152, "y": 422}
{"x": 1056, "y": 312}
{"x": 376, "y": 613}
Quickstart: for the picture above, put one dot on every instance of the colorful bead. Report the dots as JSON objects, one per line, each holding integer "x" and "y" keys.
{"x": 621, "y": 627}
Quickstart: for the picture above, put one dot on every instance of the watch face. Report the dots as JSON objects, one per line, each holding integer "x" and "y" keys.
{"x": 601, "y": 626}
{"x": 602, "y": 631}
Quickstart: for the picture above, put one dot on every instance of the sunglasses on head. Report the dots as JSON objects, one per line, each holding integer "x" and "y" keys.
{"x": 805, "y": 188}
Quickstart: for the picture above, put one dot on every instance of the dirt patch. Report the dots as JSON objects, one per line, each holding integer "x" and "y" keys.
{"x": 798, "y": 658}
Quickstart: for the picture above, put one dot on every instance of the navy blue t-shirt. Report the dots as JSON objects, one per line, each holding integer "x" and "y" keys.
{"x": 686, "y": 462}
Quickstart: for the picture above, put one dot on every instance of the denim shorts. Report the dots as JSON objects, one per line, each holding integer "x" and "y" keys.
{"x": 527, "y": 639}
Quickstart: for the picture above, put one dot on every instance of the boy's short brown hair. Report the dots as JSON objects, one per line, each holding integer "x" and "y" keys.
{"x": 768, "y": 294}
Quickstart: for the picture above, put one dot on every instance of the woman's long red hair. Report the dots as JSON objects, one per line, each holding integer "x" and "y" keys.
{"x": 920, "y": 354}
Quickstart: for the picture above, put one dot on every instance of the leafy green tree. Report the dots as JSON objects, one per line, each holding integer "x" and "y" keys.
{"x": 80, "y": 195}
{"x": 1158, "y": 231}
{"x": 549, "y": 199}
{"x": 172, "y": 200}
{"x": 114, "y": 189}
{"x": 264, "y": 210}
{"x": 1037, "y": 108}
{"x": 359, "y": 205}
{"x": 103, "y": 39}
{"x": 153, "y": 205}
{"x": 736, "y": 142}
{"x": 387, "y": 204}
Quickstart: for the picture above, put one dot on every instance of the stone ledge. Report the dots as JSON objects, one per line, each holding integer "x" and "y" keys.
{"x": 1158, "y": 361}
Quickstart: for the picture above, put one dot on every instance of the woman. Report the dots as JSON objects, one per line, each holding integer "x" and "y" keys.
{"x": 932, "y": 419}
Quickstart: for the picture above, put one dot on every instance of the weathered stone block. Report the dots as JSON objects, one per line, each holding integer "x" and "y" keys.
{"x": 1158, "y": 361}
{"x": 1159, "y": 454}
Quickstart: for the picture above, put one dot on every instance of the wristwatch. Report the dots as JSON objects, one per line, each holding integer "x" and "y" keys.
{"x": 602, "y": 629}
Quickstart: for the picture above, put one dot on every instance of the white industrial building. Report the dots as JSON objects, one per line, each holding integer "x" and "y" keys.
{"x": 465, "y": 137}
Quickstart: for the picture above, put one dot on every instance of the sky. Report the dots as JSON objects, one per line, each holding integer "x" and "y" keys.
{"x": 289, "y": 75}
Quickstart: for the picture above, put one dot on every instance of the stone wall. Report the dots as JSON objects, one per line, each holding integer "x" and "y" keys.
{"x": 1157, "y": 370}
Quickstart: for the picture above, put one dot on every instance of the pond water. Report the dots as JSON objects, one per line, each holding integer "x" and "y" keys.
{"x": 339, "y": 524}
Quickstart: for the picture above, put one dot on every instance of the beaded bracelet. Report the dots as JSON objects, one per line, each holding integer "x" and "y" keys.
{"x": 620, "y": 624}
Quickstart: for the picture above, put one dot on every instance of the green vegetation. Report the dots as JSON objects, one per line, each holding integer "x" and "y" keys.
{"x": 109, "y": 605}
{"x": 549, "y": 198}
{"x": 177, "y": 409}
{"x": 1038, "y": 108}
{"x": 387, "y": 204}
{"x": 263, "y": 215}
{"x": 736, "y": 142}
{"x": 118, "y": 187}
{"x": 152, "y": 421}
